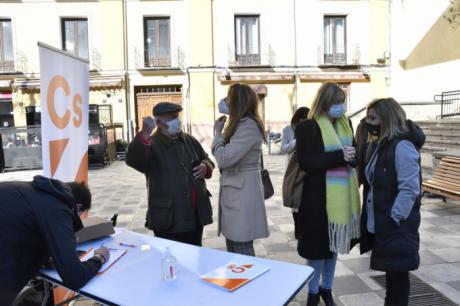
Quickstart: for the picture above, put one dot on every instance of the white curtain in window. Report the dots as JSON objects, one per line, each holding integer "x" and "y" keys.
{"x": 83, "y": 38}
{"x": 151, "y": 38}
{"x": 7, "y": 41}
{"x": 164, "y": 37}
{"x": 340, "y": 35}
{"x": 70, "y": 36}
{"x": 328, "y": 37}
{"x": 239, "y": 34}
{"x": 253, "y": 35}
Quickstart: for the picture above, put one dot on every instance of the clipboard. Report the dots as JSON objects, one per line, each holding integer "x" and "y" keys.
{"x": 115, "y": 255}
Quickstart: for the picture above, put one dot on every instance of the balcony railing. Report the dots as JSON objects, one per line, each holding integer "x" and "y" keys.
{"x": 143, "y": 60}
{"x": 157, "y": 62}
{"x": 335, "y": 59}
{"x": 265, "y": 58}
{"x": 247, "y": 59}
{"x": 6, "y": 66}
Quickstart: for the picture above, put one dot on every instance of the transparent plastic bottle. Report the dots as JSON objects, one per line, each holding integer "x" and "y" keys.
{"x": 168, "y": 266}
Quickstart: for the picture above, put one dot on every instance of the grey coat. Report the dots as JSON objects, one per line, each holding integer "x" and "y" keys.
{"x": 242, "y": 215}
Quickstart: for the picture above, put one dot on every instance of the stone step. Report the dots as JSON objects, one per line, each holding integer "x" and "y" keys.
{"x": 442, "y": 142}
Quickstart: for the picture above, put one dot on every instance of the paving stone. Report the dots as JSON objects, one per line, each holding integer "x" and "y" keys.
{"x": 428, "y": 258}
{"x": 439, "y": 273}
{"x": 448, "y": 254}
{"x": 342, "y": 270}
{"x": 455, "y": 285}
{"x": 441, "y": 212}
{"x": 358, "y": 265}
{"x": 362, "y": 299}
{"x": 278, "y": 247}
{"x": 349, "y": 285}
{"x": 448, "y": 291}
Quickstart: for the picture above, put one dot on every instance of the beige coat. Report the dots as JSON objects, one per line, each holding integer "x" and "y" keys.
{"x": 242, "y": 215}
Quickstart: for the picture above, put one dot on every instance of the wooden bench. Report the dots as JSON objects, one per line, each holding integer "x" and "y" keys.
{"x": 446, "y": 179}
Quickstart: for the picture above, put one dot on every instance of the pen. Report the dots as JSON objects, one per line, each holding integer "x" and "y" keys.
{"x": 127, "y": 245}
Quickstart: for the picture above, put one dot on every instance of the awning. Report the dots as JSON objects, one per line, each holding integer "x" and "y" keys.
{"x": 6, "y": 84}
{"x": 94, "y": 83}
{"x": 256, "y": 78}
{"x": 340, "y": 77}
{"x": 6, "y": 96}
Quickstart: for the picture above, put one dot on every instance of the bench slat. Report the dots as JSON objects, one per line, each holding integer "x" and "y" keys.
{"x": 437, "y": 187}
{"x": 445, "y": 194}
{"x": 447, "y": 175}
{"x": 449, "y": 166}
{"x": 451, "y": 185}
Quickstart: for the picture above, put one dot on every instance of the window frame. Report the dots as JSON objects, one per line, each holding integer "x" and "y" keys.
{"x": 6, "y": 65}
{"x": 247, "y": 58}
{"x": 333, "y": 59}
{"x": 63, "y": 35}
{"x": 161, "y": 61}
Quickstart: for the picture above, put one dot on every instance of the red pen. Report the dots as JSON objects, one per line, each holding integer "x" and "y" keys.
{"x": 127, "y": 245}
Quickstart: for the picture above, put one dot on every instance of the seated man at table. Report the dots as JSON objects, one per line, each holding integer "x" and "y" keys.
{"x": 175, "y": 166}
{"x": 38, "y": 220}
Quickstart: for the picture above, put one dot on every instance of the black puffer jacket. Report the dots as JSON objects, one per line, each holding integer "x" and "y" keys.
{"x": 38, "y": 220}
{"x": 394, "y": 247}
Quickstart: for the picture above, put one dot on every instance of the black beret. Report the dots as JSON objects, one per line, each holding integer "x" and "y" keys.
{"x": 166, "y": 108}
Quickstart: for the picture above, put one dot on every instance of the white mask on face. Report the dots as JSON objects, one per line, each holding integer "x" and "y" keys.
{"x": 174, "y": 127}
{"x": 223, "y": 107}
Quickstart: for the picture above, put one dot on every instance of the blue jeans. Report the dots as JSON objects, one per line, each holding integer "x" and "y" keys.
{"x": 324, "y": 268}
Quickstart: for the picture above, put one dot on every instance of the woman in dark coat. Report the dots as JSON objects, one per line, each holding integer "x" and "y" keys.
{"x": 328, "y": 217}
{"x": 391, "y": 210}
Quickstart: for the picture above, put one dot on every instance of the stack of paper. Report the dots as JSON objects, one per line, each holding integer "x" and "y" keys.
{"x": 233, "y": 275}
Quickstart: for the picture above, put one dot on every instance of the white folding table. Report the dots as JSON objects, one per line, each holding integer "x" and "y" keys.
{"x": 135, "y": 279}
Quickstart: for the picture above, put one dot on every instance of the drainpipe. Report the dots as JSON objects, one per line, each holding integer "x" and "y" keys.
{"x": 296, "y": 76}
{"x": 129, "y": 124}
{"x": 213, "y": 64}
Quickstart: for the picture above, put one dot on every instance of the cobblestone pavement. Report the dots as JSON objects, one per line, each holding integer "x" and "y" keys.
{"x": 118, "y": 188}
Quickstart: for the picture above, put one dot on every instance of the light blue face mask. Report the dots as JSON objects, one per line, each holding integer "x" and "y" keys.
{"x": 223, "y": 107}
{"x": 336, "y": 110}
{"x": 174, "y": 127}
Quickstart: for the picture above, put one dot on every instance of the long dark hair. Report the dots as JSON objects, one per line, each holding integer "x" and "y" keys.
{"x": 242, "y": 102}
{"x": 300, "y": 113}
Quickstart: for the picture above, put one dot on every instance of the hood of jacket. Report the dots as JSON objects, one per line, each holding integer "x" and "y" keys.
{"x": 62, "y": 192}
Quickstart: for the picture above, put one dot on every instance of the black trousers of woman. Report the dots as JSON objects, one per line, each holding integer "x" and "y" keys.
{"x": 398, "y": 287}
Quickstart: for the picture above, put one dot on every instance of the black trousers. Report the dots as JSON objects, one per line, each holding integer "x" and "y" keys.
{"x": 192, "y": 237}
{"x": 398, "y": 287}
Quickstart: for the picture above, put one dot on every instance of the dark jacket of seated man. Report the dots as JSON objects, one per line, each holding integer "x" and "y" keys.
{"x": 37, "y": 221}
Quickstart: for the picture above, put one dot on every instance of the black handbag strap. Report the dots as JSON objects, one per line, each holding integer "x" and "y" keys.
{"x": 262, "y": 161}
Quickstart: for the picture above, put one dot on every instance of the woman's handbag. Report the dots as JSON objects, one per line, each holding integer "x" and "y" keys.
{"x": 293, "y": 183}
{"x": 266, "y": 181}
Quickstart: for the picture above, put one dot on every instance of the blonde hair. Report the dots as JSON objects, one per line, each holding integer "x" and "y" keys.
{"x": 328, "y": 95}
{"x": 242, "y": 102}
{"x": 392, "y": 117}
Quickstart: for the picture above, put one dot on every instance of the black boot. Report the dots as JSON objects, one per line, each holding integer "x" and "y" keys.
{"x": 313, "y": 299}
{"x": 326, "y": 295}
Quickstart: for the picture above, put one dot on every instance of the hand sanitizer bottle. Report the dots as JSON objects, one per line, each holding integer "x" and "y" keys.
{"x": 168, "y": 266}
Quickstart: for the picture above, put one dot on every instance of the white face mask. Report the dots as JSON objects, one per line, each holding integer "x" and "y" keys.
{"x": 174, "y": 127}
{"x": 223, "y": 107}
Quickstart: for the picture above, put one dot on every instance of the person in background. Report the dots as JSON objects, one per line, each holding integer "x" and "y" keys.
{"x": 176, "y": 166}
{"x": 288, "y": 146}
{"x": 329, "y": 213}
{"x": 392, "y": 194}
{"x": 38, "y": 220}
{"x": 288, "y": 137}
{"x": 242, "y": 215}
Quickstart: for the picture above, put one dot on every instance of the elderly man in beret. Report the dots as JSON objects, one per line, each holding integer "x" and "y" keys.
{"x": 175, "y": 166}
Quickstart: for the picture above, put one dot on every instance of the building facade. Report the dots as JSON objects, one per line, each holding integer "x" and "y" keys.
{"x": 189, "y": 52}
